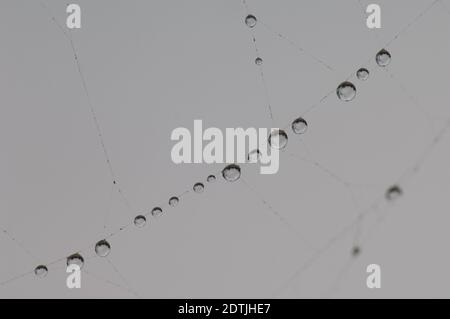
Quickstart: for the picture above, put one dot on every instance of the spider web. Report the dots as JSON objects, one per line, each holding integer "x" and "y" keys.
{"x": 361, "y": 207}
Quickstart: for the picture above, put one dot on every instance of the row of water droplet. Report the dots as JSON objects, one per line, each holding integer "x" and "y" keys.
{"x": 230, "y": 173}
{"x": 278, "y": 139}
{"x": 346, "y": 91}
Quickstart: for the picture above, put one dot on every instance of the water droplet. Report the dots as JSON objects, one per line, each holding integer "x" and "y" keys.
{"x": 346, "y": 91}
{"x": 254, "y": 156}
{"x": 258, "y": 61}
{"x": 41, "y": 271}
{"x": 157, "y": 211}
{"x": 383, "y": 58}
{"x": 198, "y": 188}
{"x": 278, "y": 139}
{"x": 173, "y": 201}
{"x": 102, "y": 248}
{"x": 140, "y": 220}
{"x": 250, "y": 21}
{"x": 231, "y": 173}
{"x": 299, "y": 126}
{"x": 75, "y": 259}
{"x": 393, "y": 193}
{"x": 362, "y": 74}
{"x": 211, "y": 179}
{"x": 356, "y": 250}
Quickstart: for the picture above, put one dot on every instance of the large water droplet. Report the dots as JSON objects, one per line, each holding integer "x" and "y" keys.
{"x": 250, "y": 21}
{"x": 41, "y": 271}
{"x": 362, "y": 74}
{"x": 299, "y": 126}
{"x": 393, "y": 193}
{"x": 346, "y": 91}
{"x": 157, "y": 211}
{"x": 231, "y": 173}
{"x": 211, "y": 179}
{"x": 258, "y": 61}
{"x": 75, "y": 259}
{"x": 173, "y": 201}
{"x": 140, "y": 220}
{"x": 383, "y": 58}
{"x": 102, "y": 248}
{"x": 198, "y": 188}
{"x": 254, "y": 156}
{"x": 278, "y": 139}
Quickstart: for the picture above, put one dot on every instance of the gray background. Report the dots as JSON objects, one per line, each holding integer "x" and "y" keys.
{"x": 152, "y": 66}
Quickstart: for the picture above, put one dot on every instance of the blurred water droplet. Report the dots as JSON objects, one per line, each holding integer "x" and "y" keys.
{"x": 157, "y": 211}
{"x": 258, "y": 61}
{"x": 140, "y": 220}
{"x": 393, "y": 193}
{"x": 211, "y": 179}
{"x": 362, "y": 74}
{"x": 299, "y": 126}
{"x": 41, "y": 271}
{"x": 278, "y": 139}
{"x": 102, "y": 248}
{"x": 383, "y": 58}
{"x": 254, "y": 156}
{"x": 250, "y": 21}
{"x": 198, "y": 188}
{"x": 356, "y": 250}
{"x": 75, "y": 259}
{"x": 173, "y": 201}
{"x": 346, "y": 91}
{"x": 231, "y": 173}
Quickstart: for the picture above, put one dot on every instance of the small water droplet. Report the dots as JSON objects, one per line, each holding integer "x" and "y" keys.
{"x": 254, "y": 156}
{"x": 157, "y": 211}
{"x": 250, "y": 21}
{"x": 231, "y": 173}
{"x": 346, "y": 91}
{"x": 356, "y": 250}
{"x": 198, "y": 188}
{"x": 258, "y": 61}
{"x": 102, "y": 248}
{"x": 362, "y": 74}
{"x": 173, "y": 201}
{"x": 140, "y": 220}
{"x": 393, "y": 193}
{"x": 299, "y": 126}
{"x": 41, "y": 271}
{"x": 75, "y": 259}
{"x": 278, "y": 139}
{"x": 383, "y": 58}
{"x": 211, "y": 179}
